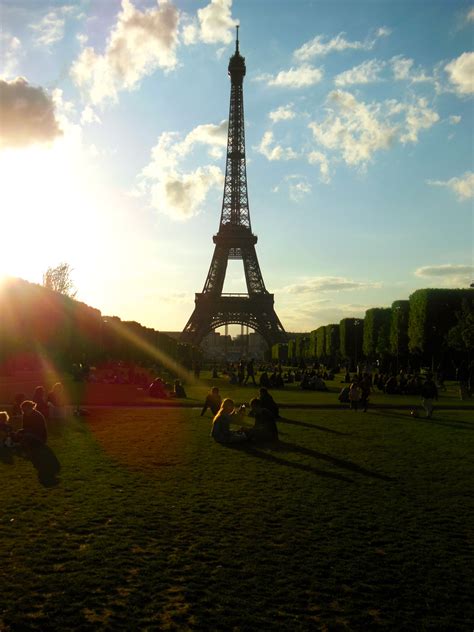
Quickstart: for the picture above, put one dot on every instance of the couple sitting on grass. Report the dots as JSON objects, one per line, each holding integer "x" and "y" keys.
{"x": 264, "y": 429}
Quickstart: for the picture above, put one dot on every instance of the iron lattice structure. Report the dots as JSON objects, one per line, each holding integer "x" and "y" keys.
{"x": 234, "y": 240}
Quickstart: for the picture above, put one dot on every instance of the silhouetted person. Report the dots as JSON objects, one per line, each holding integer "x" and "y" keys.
{"x": 34, "y": 424}
{"x": 221, "y": 431}
{"x": 269, "y": 403}
{"x": 264, "y": 380}
{"x": 178, "y": 389}
{"x": 265, "y": 428}
{"x": 56, "y": 403}
{"x": 250, "y": 372}
{"x": 157, "y": 389}
{"x": 213, "y": 401}
{"x": 39, "y": 399}
{"x": 355, "y": 393}
{"x": 429, "y": 393}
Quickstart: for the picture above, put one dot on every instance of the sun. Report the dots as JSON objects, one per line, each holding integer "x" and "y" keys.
{"x": 48, "y": 201}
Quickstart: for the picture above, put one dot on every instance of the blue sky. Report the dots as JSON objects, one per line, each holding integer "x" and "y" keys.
{"x": 359, "y": 149}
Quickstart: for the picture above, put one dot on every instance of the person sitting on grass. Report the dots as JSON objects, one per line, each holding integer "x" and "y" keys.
{"x": 269, "y": 403}
{"x": 344, "y": 395}
{"x": 5, "y": 430}
{"x": 56, "y": 403}
{"x": 221, "y": 431}
{"x": 40, "y": 401}
{"x": 213, "y": 401}
{"x": 355, "y": 394}
{"x": 265, "y": 428}
{"x": 178, "y": 389}
{"x": 157, "y": 389}
{"x": 34, "y": 425}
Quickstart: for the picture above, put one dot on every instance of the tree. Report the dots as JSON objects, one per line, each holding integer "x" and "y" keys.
{"x": 376, "y": 332}
{"x": 461, "y": 336}
{"x": 59, "y": 280}
{"x": 432, "y": 314}
{"x": 351, "y": 333}
{"x": 399, "y": 329}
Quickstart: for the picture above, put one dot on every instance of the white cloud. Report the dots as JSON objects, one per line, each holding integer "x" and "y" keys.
{"x": 418, "y": 116}
{"x": 318, "y": 47}
{"x": 214, "y": 136}
{"x": 353, "y": 128}
{"x": 50, "y": 29}
{"x": 299, "y": 77}
{"x": 216, "y": 23}
{"x": 298, "y": 187}
{"x": 470, "y": 15}
{"x": 448, "y": 274}
{"x": 89, "y": 116}
{"x": 139, "y": 43}
{"x": 298, "y": 190}
{"x": 463, "y": 187}
{"x": 357, "y": 130}
{"x": 403, "y": 70}
{"x": 454, "y": 119}
{"x": 277, "y": 152}
{"x": 11, "y": 52}
{"x": 461, "y": 73}
{"x": 283, "y": 113}
{"x": 318, "y": 158}
{"x": 172, "y": 191}
{"x": 317, "y": 284}
{"x": 27, "y": 114}
{"x": 367, "y": 72}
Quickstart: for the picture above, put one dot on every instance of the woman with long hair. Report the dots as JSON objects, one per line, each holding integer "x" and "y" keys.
{"x": 221, "y": 431}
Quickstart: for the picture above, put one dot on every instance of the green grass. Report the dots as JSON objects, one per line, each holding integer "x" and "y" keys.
{"x": 355, "y": 522}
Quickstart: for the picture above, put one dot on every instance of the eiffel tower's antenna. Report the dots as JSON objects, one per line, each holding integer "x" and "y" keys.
{"x": 237, "y": 38}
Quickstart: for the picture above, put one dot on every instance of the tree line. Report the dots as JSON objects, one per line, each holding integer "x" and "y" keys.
{"x": 41, "y": 325}
{"x": 433, "y": 328}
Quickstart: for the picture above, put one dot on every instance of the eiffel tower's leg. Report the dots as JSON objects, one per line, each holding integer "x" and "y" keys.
{"x": 253, "y": 275}
{"x": 216, "y": 275}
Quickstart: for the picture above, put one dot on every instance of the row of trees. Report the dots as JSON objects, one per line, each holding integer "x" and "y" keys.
{"x": 433, "y": 327}
{"x": 38, "y": 324}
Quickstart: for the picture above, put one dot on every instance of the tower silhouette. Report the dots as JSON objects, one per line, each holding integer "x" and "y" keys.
{"x": 234, "y": 240}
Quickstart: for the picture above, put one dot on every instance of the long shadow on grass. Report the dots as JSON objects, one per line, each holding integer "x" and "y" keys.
{"x": 283, "y": 446}
{"x": 45, "y": 463}
{"x": 6, "y": 456}
{"x": 41, "y": 456}
{"x": 438, "y": 421}
{"x": 294, "y": 422}
{"x": 266, "y": 456}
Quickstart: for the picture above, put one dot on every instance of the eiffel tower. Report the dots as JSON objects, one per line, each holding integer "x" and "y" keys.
{"x": 235, "y": 240}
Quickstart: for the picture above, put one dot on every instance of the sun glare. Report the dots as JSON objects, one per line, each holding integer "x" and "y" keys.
{"x": 48, "y": 203}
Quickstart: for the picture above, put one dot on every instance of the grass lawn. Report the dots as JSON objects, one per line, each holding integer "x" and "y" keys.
{"x": 354, "y": 522}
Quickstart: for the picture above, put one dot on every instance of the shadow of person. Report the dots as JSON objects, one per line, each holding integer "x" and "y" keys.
{"x": 45, "y": 463}
{"x": 6, "y": 456}
{"x": 252, "y": 450}
{"x": 294, "y": 422}
{"x": 347, "y": 465}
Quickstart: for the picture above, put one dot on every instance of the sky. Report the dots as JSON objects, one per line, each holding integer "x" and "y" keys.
{"x": 359, "y": 144}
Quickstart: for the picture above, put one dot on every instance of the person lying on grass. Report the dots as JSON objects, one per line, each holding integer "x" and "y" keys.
{"x": 221, "y": 431}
